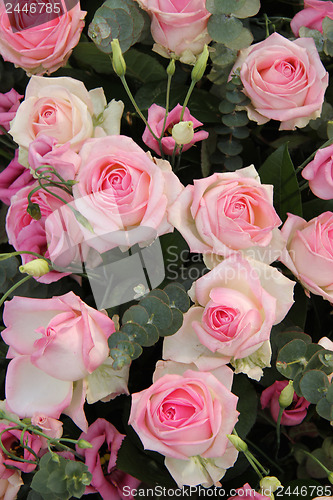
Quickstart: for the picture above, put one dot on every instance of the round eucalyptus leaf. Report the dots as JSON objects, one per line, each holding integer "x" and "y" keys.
{"x": 291, "y": 352}
{"x": 177, "y": 321}
{"x": 236, "y": 97}
{"x": 178, "y": 297}
{"x": 329, "y": 394}
{"x": 233, "y": 163}
{"x": 160, "y": 294}
{"x": 137, "y": 350}
{"x": 230, "y": 148}
{"x": 325, "y": 409}
{"x": 224, "y": 6}
{"x": 117, "y": 337}
{"x": 241, "y": 132}
{"x": 152, "y": 333}
{"x": 243, "y": 40}
{"x": 159, "y": 313}
{"x": 224, "y": 29}
{"x": 136, "y": 333}
{"x": 238, "y": 119}
{"x": 226, "y": 107}
{"x": 314, "y": 385}
{"x": 136, "y": 314}
{"x": 247, "y": 9}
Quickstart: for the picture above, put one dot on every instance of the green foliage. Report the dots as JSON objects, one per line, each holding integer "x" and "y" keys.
{"x": 247, "y": 404}
{"x": 121, "y": 19}
{"x": 159, "y": 314}
{"x": 60, "y": 479}
{"x": 279, "y": 170}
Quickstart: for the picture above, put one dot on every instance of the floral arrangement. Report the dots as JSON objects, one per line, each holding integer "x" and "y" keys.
{"x": 166, "y": 265}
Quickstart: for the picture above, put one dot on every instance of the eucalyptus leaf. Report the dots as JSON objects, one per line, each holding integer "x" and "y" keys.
{"x": 177, "y": 321}
{"x": 325, "y": 409}
{"x": 243, "y": 40}
{"x": 230, "y": 147}
{"x": 238, "y": 119}
{"x": 247, "y": 9}
{"x": 224, "y": 29}
{"x": 225, "y": 6}
{"x": 314, "y": 385}
{"x": 136, "y": 333}
{"x": 178, "y": 297}
{"x": 159, "y": 313}
{"x": 294, "y": 353}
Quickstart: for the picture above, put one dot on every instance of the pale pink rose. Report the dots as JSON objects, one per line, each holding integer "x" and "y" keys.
{"x": 13, "y": 178}
{"x": 228, "y": 212}
{"x": 28, "y": 234}
{"x": 123, "y": 192}
{"x": 309, "y": 252}
{"x": 52, "y": 343}
{"x": 285, "y": 81}
{"x": 319, "y": 173}
{"x": 247, "y": 492}
{"x": 63, "y": 108}
{"x": 101, "y": 459}
{"x": 11, "y": 441}
{"x": 9, "y": 104}
{"x": 9, "y": 487}
{"x": 294, "y": 414}
{"x": 44, "y": 151}
{"x": 50, "y": 426}
{"x": 39, "y": 42}
{"x": 312, "y": 15}
{"x": 185, "y": 414}
{"x": 156, "y": 116}
{"x": 178, "y": 28}
{"x": 236, "y": 305}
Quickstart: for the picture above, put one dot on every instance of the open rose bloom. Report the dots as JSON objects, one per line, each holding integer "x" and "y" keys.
{"x": 312, "y": 15}
{"x": 285, "y": 80}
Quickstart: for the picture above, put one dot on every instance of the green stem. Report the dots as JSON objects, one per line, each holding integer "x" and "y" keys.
{"x": 187, "y": 98}
{"x": 19, "y": 283}
{"x": 267, "y": 22}
{"x": 278, "y": 432}
{"x": 266, "y": 457}
{"x": 167, "y": 103}
{"x": 251, "y": 462}
{"x": 304, "y": 186}
{"x": 315, "y": 459}
{"x": 130, "y": 95}
{"x": 7, "y": 452}
{"x": 15, "y": 254}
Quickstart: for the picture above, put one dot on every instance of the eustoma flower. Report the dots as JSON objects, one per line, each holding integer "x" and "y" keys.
{"x": 123, "y": 192}
{"x": 284, "y": 79}
{"x": 55, "y": 344}
{"x": 294, "y": 414}
{"x": 63, "y": 108}
{"x": 229, "y": 212}
{"x": 178, "y": 28}
{"x": 9, "y": 104}
{"x": 40, "y": 40}
{"x": 186, "y": 415}
{"x": 236, "y": 305}
{"x": 13, "y": 178}
{"x": 309, "y": 252}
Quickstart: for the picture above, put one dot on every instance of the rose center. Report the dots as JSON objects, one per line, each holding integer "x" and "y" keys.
{"x": 171, "y": 412}
{"x": 286, "y": 68}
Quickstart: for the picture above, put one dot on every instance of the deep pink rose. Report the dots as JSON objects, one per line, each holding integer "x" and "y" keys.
{"x": 44, "y": 151}
{"x": 53, "y": 343}
{"x": 294, "y": 414}
{"x": 319, "y": 173}
{"x": 28, "y": 234}
{"x": 39, "y": 42}
{"x": 13, "y": 178}
{"x": 247, "y": 492}
{"x": 62, "y": 108}
{"x": 187, "y": 415}
{"x": 123, "y": 192}
{"x": 156, "y": 116}
{"x": 11, "y": 441}
{"x": 236, "y": 305}
{"x": 309, "y": 252}
{"x": 101, "y": 459}
{"x": 227, "y": 212}
{"x": 178, "y": 27}
{"x": 9, "y": 104}
{"x": 312, "y": 15}
{"x": 284, "y": 79}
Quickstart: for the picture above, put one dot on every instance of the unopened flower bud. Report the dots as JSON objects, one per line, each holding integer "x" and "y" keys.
{"x": 200, "y": 65}
{"x": 238, "y": 443}
{"x": 183, "y": 132}
{"x": 268, "y": 485}
{"x": 171, "y": 68}
{"x": 36, "y": 268}
{"x": 83, "y": 444}
{"x": 118, "y": 61}
{"x": 34, "y": 210}
{"x": 286, "y": 396}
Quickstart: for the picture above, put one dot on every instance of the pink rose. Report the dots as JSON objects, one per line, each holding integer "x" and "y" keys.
{"x": 101, "y": 459}
{"x": 13, "y": 178}
{"x": 9, "y": 104}
{"x": 123, "y": 192}
{"x": 247, "y": 492}
{"x": 156, "y": 116}
{"x": 186, "y": 415}
{"x": 284, "y": 79}
{"x": 178, "y": 28}
{"x": 44, "y": 151}
{"x": 319, "y": 173}
{"x": 11, "y": 441}
{"x": 40, "y": 42}
{"x": 309, "y": 252}
{"x": 228, "y": 212}
{"x": 294, "y": 414}
{"x": 63, "y": 108}
{"x": 28, "y": 234}
{"x": 10, "y": 486}
{"x": 50, "y": 426}
{"x": 236, "y": 305}
{"x": 52, "y": 343}
{"x": 312, "y": 15}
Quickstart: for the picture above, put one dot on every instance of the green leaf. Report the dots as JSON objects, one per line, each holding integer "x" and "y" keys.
{"x": 329, "y": 394}
{"x": 143, "y": 67}
{"x": 316, "y": 356}
{"x": 87, "y": 54}
{"x": 222, "y": 55}
{"x": 241, "y": 132}
{"x": 224, "y": 6}
{"x": 243, "y": 40}
{"x": 278, "y": 170}
{"x": 136, "y": 333}
{"x": 178, "y": 297}
{"x": 233, "y": 163}
{"x": 224, "y": 29}
{"x": 177, "y": 321}
{"x": 136, "y": 314}
{"x": 159, "y": 313}
{"x": 248, "y": 9}
{"x": 117, "y": 337}
{"x": 325, "y": 409}
{"x": 230, "y": 147}
{"x": 247, "y": 404}
{"x": 293, "y": 352}
{"x": 314, "y": 385}
{"x": 160, "y": 294}
{"x": 227, "y": 107}
{"x": 237, "y": 119}
{"x": 318, "y": 38}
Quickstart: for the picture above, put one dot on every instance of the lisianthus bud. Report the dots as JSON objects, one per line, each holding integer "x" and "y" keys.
{"x": 286, "y": 396}
{"x": 36, "y": 268}
{"x": 238, "y": 443}
{"x": 171, "y": 68}
{"x": 118, "y": 61}
{"x": 268, "y": 485}
{"x": 83, "y": 444}
{"x": 183, "y": 132}
{"x": 200, "y": 65}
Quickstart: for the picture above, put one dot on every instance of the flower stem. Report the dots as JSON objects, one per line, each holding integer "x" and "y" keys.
{"x": 278, "y": 432}
{"x": 15, "y": 254}
{"x": 187, "y": 98}
{"x": 315, "y": 459}
{"x": 19, "y": 283}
